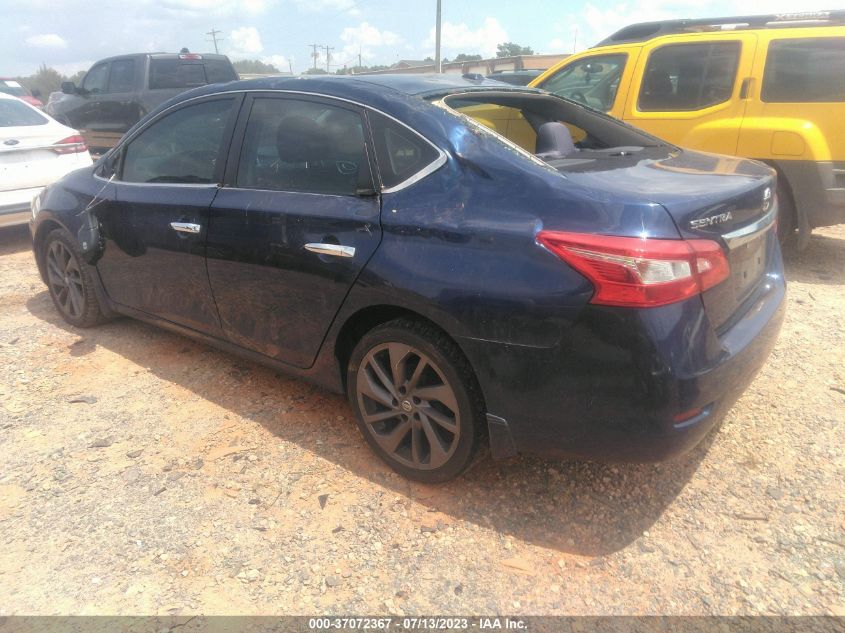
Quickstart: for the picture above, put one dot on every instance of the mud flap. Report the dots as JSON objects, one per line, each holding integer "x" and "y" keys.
{"x": 501, "y": 441}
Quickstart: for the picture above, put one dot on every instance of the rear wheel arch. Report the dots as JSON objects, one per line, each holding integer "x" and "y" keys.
{"x": 366, "y": 319}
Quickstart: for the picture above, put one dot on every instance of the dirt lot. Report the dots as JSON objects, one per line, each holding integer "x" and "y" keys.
{"x": 141, "y": 472}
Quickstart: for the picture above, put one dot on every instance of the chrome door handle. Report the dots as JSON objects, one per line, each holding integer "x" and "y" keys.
{"x": 185, "y": 227}
{"x": 331, "y": 249}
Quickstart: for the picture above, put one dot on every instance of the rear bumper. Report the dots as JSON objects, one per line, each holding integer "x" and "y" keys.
{"x": 626, "y": 385}
{"x": 16, "y": 206}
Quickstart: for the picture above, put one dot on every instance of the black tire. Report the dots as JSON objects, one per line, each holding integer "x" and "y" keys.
{"x": 416, "y": 400}
{"x": 786, "y": 214}
{"x": 69, "y": 280}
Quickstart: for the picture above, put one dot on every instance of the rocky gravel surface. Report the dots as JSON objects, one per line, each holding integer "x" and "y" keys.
{"x": 141, "y": 472}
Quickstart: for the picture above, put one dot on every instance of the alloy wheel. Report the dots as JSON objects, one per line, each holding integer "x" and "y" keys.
{"x": 65, "y": 279}
{"x": 408, "y": 406}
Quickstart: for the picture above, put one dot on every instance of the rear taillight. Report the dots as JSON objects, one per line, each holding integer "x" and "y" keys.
{"x": 640, "y": 272}
{"x": 70, "y": 145}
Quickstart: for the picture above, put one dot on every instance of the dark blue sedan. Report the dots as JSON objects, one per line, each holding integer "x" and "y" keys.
{"x": 587, "y": 291}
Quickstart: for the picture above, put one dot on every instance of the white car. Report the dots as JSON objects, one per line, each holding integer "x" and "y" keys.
{"x": 35, "y": 150}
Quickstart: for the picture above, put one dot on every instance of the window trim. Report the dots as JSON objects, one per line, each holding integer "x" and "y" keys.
{"x": 225, "y": 145}
{"x": 586, "y": 58}
{"x": 241, "y": 94}
{"x": 736, "y": 42}
{"x": 234, "y": 158}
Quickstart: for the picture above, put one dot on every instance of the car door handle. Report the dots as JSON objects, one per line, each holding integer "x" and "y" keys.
{"x": 331, "y": 249}
{"x": 185, "y": 227}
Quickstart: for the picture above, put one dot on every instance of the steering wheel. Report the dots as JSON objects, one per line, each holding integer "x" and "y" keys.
{"x": 577, "y": 95}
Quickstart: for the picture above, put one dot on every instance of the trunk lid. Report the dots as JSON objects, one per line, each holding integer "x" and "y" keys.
{"x": 726, "y": 199}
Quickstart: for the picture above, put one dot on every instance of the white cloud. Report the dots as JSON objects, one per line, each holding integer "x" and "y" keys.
{"x": 459, "y": 38}
{"x": 46, "y": 40}
{"x": 364, "y": 38}
{"x": 595, "y": 23}
{"x": 245, "y": 42}
{"x": 279, "y": 61}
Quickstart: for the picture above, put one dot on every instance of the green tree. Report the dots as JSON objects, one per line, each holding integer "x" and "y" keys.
{"x": 316, "y": 71}
{"x": 463, "y": 57}
{"x": 254, "y": 67}
{"x": 510, "y": 49}
{"x": 45, "y": 81}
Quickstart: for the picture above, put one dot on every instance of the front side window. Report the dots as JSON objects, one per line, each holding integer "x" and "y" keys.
{"x": 400, "y": 152}
{"x": 593, "y": 81}
{"x": 95, "y": 81}
{"x": 805, "y": 71}
{"x": 122, "y": 75}
{"x": 684, "y": 77}
{"x": 307, "y": 146}
{"x": 182, "y": 147}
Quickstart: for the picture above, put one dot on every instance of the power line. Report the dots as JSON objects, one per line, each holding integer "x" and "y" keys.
{"x": 213, "y": 33}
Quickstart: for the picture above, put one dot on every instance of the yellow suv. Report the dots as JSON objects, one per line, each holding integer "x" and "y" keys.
{"x": 765, "y": 87}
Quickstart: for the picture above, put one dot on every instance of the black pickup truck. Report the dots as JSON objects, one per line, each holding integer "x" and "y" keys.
{"x": 117, "y": 92}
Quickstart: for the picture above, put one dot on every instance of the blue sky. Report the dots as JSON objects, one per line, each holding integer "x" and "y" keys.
{"x": 71, "y": 34}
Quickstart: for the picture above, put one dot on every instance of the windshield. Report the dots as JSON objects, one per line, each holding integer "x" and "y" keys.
{"x": 593, "y": 81}
{"x": 15, "y": 113}
{"x": 12, "y": 87}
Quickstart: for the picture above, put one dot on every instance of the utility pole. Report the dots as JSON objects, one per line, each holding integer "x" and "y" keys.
{"x": 329, "y": 50}
{"x": 360, "y": 65}
{"x": 575, "y": 39}
{"x": 314, "y": 53}
{"x": 438, "y": 67}
{"x": 213, "y": 33}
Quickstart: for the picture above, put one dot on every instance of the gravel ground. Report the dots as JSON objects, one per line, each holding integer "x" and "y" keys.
{"x": 141, "y": 472}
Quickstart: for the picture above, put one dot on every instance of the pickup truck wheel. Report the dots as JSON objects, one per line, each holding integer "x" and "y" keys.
{"x": 786, "y": 213}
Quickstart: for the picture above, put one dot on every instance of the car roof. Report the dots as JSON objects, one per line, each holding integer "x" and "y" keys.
{"x": 363, "y": 86}
{"x": 161, "y": 55}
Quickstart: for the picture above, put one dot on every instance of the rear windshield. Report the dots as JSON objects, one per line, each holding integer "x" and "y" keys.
{"x": 14, "y": 113}
{"x": 11, "y": 87}
{"x": 178, "y": 73}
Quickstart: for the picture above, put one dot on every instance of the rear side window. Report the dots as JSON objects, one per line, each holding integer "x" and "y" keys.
{"x": 593, "y": 81}
{"x": 307, "y": 146}
{"x": 683, "y": 77}
{"x": 182, "y": 147}
{"x": 400, "y": 152}
{"x": 178, "y": 73}
{"x": 14, "y": 113}
{"x": 805, "y": 71}
{"x": 122, "y": 75}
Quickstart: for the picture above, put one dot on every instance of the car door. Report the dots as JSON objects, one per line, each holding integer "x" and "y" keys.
{"x": 294, "y": 224}
{"x": 157, "y": 222}
{"x": 83, "y": 114}
{"x": 690, "y": 92}
{"x": 118, "y": 107}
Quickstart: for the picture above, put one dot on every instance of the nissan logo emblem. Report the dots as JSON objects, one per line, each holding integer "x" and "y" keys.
{"x": 11, "y": 141}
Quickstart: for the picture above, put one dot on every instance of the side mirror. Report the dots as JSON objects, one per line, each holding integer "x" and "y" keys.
{"x": 68, "y": 87}
{"x": 36, "y": 93}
